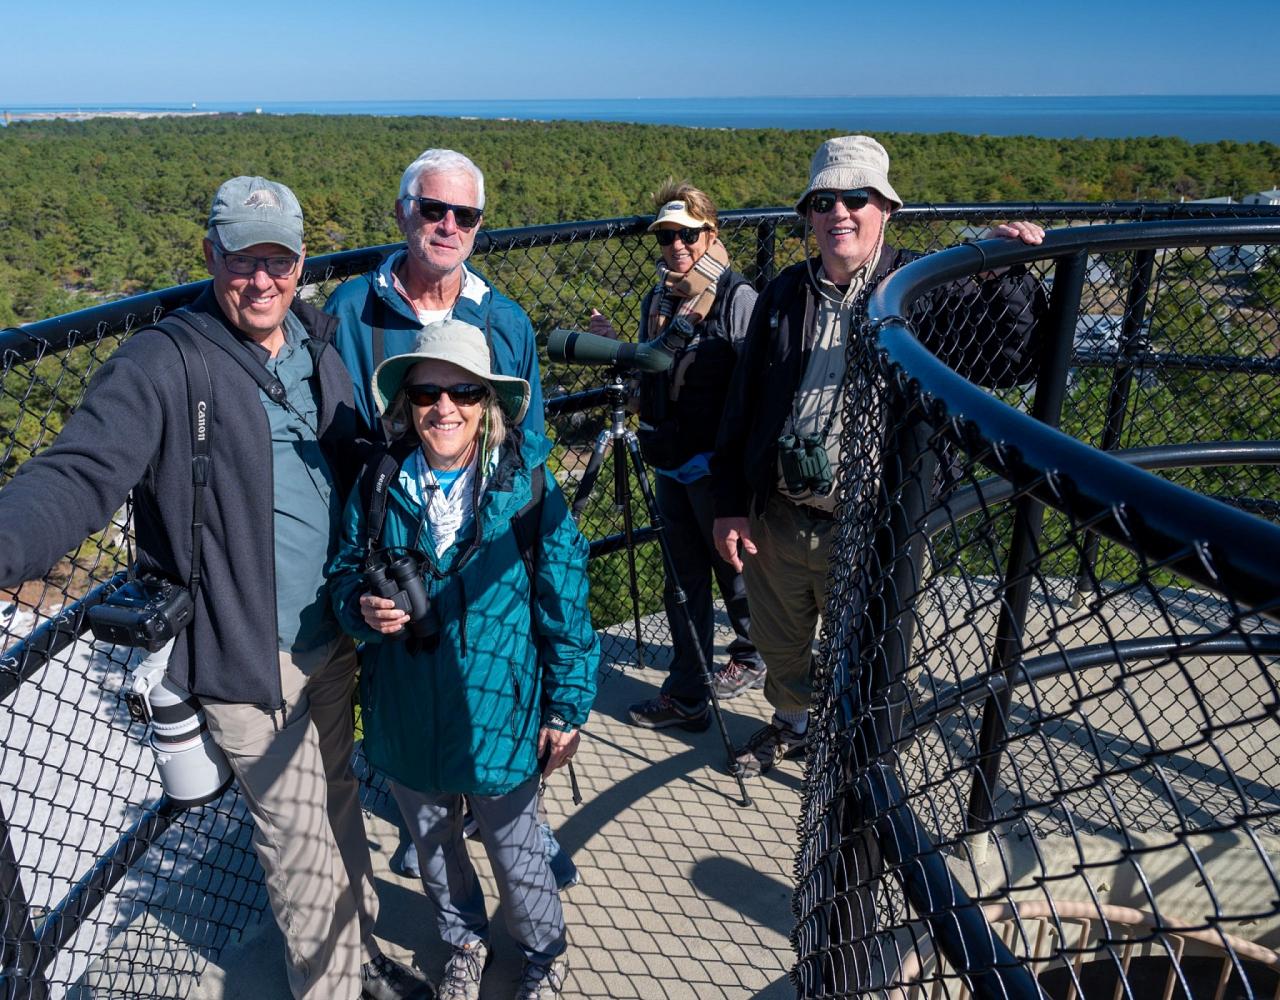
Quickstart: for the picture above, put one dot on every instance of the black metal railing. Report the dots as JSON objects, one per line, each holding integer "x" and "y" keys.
{"x": 87, "y": 842}
{"x": 1045, "y": 757}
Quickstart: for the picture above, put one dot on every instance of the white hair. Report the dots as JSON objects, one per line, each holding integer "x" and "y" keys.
{"x": 440, "y": 161}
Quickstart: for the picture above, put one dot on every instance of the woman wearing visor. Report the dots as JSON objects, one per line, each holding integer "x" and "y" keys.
{"x": 481, "y": 687}
{"x": 700, "y": 295}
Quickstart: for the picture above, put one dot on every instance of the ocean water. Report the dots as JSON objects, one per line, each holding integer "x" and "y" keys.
{"x": 1195, "y": 118}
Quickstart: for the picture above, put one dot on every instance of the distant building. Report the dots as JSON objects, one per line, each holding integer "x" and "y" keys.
{"x": 1271, "y": 197}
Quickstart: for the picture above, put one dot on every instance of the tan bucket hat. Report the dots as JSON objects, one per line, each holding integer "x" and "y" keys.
{"x": 847, "y": 162}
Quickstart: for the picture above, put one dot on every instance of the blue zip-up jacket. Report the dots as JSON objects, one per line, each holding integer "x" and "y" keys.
{"x": 512, "y": 348}
{"x": 464, "y": 717}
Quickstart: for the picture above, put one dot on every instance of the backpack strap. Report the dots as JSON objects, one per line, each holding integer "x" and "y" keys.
{"x": 203, "y": 325}
{"x": 378, "y": 342}
{"x": 527, "y": 522}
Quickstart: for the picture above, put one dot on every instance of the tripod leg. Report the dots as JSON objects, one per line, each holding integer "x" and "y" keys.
{"x": 587, "y": 484}
{"x": 622, "y": 497}
{"x": 681, "y": 600}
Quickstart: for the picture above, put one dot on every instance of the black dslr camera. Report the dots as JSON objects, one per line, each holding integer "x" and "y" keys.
{"x": 147, "y": 611}
{"x": 400, "y": 580}
{"x": 805, "y": 466}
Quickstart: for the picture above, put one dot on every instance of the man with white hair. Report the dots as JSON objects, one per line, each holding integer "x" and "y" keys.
{"x": 440, "y": 209}
{"x": 777, "y": 461}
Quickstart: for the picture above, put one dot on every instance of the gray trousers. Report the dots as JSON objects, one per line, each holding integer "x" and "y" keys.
{"x": 787, "y": 584}
{"x": 296, "y": 778}
{"x": 509, "y": 831}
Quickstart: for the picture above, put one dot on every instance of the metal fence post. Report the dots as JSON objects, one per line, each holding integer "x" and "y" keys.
{"x": 766, "y": 247}
{"x": 1131, "y": 342}
{"x": 1051, "y": 382}
{"x": 21, "y": 976}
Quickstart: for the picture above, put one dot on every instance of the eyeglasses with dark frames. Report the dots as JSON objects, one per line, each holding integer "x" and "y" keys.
{"x": 462, "y": 394}
{"x": 245, "y": 264}
{"x": 823, "y": 202}
{"x": 434, "y": 210}
{"x": 666, "y": 237}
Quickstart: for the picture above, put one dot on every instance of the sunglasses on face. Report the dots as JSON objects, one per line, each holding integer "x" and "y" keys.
{"x": 462, "y": 394}
{"x": 244, "y": 264}
{"x": 434, "y": 210}
{"x": 666, "y": 237}
{"x": 823, "y": 202}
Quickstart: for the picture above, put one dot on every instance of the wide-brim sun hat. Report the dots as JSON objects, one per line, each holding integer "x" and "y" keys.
{"x": 846, "y": 163}
{"x": 459, "y": 344}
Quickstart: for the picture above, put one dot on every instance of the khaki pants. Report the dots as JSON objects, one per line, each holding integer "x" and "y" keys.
{"x": 294, "y": 771}
{"x": 787, "y": 588}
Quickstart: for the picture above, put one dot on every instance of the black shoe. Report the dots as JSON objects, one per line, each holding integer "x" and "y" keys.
{"x": 386, "y": 979}
{"x": 662, "y": 713}
{"x": 768, "y": 745}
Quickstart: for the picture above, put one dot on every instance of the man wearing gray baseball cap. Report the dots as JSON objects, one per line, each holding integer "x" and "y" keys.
{"x": 777, "y": 463}
{"x": 248, "y": 372}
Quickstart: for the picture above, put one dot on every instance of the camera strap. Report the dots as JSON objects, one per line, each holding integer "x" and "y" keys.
{"x": 200, "y": 404}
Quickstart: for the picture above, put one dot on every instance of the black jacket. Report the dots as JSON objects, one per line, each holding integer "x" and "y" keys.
{"x": 672, "y": 432}
{"x": 988, "y": 331}
{"x": 133, "y": 429}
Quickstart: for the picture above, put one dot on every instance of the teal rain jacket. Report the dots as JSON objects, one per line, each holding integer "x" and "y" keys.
{"x": 465, "y": 716}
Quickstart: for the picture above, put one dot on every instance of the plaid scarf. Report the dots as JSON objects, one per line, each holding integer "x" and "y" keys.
{"x": 691, "y": 294}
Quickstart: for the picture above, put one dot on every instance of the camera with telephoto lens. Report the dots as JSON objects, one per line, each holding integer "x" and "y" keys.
{"x": 399, "y": 578}
{"x": 147, "y": 611}
{"x": 193, "y": 769}
{"x": 804, "y": 463}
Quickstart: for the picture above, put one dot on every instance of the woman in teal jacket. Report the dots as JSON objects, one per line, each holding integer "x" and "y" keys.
{"x": 500, "y": 670}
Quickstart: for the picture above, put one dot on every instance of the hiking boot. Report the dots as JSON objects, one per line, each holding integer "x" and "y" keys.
{"x": 386, "y": 979}
{"x": 542, "y": 982}
{"x": 738, "y": 676}
{"x": 768, "y": 745}
{"x": 664, "y": 712}
{"x": 461, "y": 979}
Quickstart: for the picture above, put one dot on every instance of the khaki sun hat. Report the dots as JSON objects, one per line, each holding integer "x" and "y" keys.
{"x": 848, "y": 162}
{"x": 460, "y": 344}
{"x": 676, "y": 213}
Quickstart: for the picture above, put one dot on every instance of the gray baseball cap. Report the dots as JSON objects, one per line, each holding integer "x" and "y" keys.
{"x": 250, "y": 210}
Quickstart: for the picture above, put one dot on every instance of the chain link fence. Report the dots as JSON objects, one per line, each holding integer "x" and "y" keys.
{"x": 1045, "y": 756}
{"x": 97, "y": 868}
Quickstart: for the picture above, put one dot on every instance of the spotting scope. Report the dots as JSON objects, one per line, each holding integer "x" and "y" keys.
{"x": 656, "y": 355}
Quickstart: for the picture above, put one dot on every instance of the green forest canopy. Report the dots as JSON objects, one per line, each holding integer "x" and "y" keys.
{"x": 110, "y": 207}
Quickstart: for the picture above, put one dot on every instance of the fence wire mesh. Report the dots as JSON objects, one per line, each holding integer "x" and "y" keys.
{"x": 1046, "y": 765}
{"x": 77, "y": 790}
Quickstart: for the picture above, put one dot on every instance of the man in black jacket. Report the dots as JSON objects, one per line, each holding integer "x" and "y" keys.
{"x": 777, "y": 455}
{"x": 263, "y": 653}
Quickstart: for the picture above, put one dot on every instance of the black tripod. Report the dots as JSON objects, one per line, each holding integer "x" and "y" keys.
{"x": 617, "y": 430}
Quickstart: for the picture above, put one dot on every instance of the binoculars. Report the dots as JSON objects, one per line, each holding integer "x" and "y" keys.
{"x": 804, "y": 463}
{"x": 400, "y": 580}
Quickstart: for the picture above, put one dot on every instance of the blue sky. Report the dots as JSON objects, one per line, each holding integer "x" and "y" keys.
{"x": 146, "y": 52}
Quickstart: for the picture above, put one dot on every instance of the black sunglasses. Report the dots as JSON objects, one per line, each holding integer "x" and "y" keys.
{"x": 823, "y": 202}
{"x": 433, "y": 210}
{"x": 462, "y": 394}
{"x": 245, "y": 264}
{"x": 688, "y": 237}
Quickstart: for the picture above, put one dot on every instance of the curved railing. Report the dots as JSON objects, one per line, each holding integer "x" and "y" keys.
{"x": 1048, "y": 681}
{"x": 86, "y": 840}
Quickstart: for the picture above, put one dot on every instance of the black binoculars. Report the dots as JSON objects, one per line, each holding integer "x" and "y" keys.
{"x": 400, "y": 580}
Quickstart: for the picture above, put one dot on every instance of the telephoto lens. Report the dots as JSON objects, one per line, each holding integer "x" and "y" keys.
{"x": 193, "y": 769}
